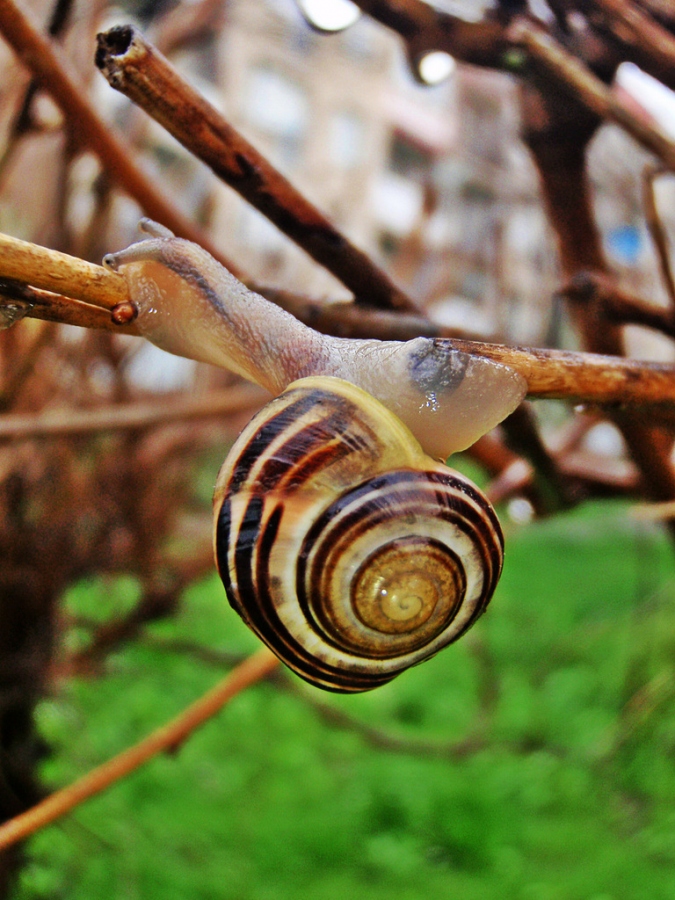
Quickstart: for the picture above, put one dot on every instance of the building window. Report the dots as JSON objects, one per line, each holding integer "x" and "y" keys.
{"x": 346, "y": 140}
{"x": 277, "y": 107}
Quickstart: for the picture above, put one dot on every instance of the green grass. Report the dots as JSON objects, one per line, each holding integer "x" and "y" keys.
{"x": 567, "y": 684}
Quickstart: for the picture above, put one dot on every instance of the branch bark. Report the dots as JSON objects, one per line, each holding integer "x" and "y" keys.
{"x": 139, "y": 71}
{"x": 588, "y": 89}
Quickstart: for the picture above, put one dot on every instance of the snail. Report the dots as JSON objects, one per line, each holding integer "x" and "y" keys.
{"x": 341, "y": 539}
{"x": 350, "y": 552}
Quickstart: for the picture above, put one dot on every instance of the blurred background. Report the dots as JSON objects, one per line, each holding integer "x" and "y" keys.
{"x": 534, "y": 759}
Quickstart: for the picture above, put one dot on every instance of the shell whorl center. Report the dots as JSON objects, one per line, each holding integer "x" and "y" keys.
{"x": 398, "y": 588}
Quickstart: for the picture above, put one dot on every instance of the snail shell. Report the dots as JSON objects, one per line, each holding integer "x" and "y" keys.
{"x": 350, "y": 553}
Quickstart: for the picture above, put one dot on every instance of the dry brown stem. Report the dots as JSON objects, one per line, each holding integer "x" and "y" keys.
{"x": 656, "y": 228}
{"x": 617, "y": 305}
{"x": 139, "y": 415}
{"x": 347, "y": 319}
{"x": 558, "y": 142}
{"x": 580, "y": 377}
{"x": 168, "y": 737}
{"x": 88, "y": 128}
{"x": 633, "y": 28}
{"x": 425, "y": 28}
{"x": 588, "y": 88}
{"x": 50, "y": 270}
{"x": 550, "y": 374}
{"x": 137, "y": 69}
{"x": 67, "y": 311}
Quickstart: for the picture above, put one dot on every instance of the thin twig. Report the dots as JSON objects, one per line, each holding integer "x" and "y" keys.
{"x": 19, "y": 369}
{"x": 522, "y": 435}
{"x": 588, "y": 88}
{"x": 550, "y": 374}
{"x": 139, "y": 415}
{"x": 23, "y": 119}
{"x": 558, "y": 141}
{"x": 653, "y": 512}
{"x": 381, "y": 738}
{"x": 511, "y": 480}
{"x": 138, "y": 70}
{"x": 604, "y": 475}
{"x": 425, "y": 28}
{"x": 329, "y": 713}
{"x": 343, "y": 318}
{"x": 168, "y": 737}
{"x": 188, "y": 23}
{"x": 55, "y": 76}
{"x": 635, "y": 29}
{"x": 656, "y": 228}
{"x": 221, "y": 659}
{"x": 617, "y": 305}
{"x": 51, "y": 270}
{"x": 52, "y": 307}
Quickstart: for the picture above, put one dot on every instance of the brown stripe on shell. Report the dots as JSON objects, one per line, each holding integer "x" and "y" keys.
{"x": 262, "y": 617}
{"x": 296, "y": 404}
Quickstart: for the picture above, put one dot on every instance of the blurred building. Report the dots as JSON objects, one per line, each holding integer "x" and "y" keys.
{"x": 431, "y": 181}
{"x": 328, "y": 111}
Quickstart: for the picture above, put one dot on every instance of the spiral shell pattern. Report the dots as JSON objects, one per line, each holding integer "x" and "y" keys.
{"x": 350, "y": 553}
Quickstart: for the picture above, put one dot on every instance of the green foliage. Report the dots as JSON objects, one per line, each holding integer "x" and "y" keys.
{"x": 566, "y": 689}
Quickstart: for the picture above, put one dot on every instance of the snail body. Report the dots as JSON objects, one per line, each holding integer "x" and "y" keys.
{"x": 351, "y": 553}
{"x": 192, "y": 306}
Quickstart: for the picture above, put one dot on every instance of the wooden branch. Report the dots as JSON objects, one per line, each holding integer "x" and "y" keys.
{"x": 550, "y": 374}
{"x": 616, "y": 305}
{"x": 634, "y": 28}
{"x": 168, "y": 737}
{"x": 514, "y": 479}
{"x": 653, "y": 512}
{"x": 23, "y": 118}
{"x": 425, "y": 28}
{"x": 186, "y": 24}
{"x": 51, "y": 270}
{"x": 656, "y": 228}
{"x": 381, "y": 738}
{"x": 68, "y": 311}
{"x": 522, "y": 435}
{"x": 55, "y": 76}
{"x": 347, "y": 319}
{"x": 87, "y": 293}
{"x": 139, "y": 415}
{"x": 137, "y": 69}
{"x": 559, "y": 150}
{"x": 580, "y": 377}
{"x": 588, "y": 88}
{"x": 610, "y": 476}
